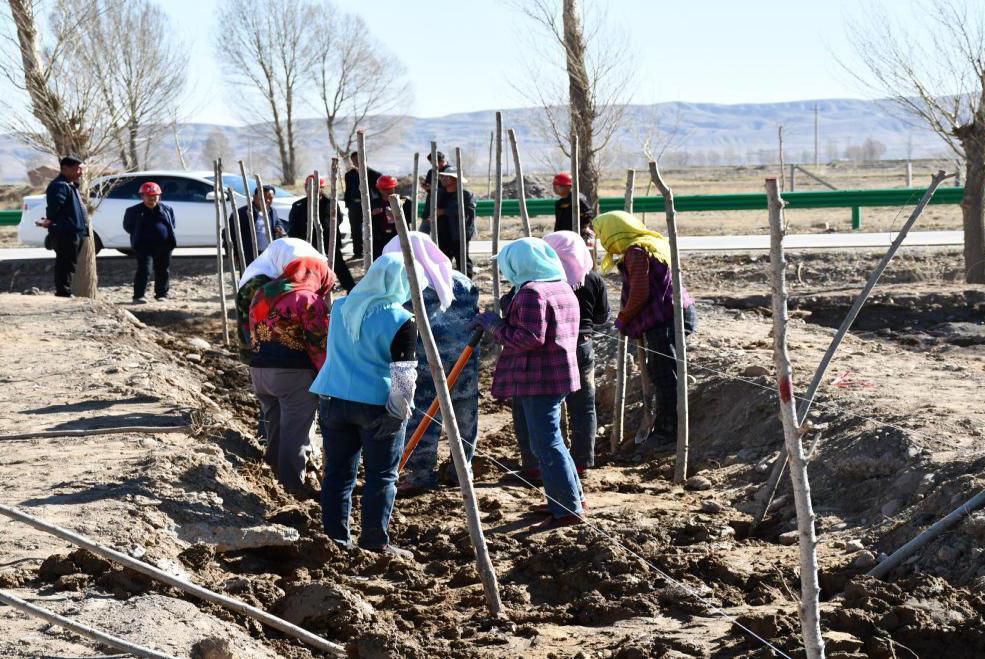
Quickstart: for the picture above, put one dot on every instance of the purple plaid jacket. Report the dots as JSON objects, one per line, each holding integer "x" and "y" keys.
{"x": 539, "y": 337}
{"x": 660, "y": 303}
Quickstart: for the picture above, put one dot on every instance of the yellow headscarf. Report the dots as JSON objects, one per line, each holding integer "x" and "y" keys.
{"x": 619, "y": 230}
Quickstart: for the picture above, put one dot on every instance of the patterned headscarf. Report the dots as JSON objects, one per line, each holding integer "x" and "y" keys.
{"x": 574, "y": 254}
{"x": 384, "y": 285}
{"x": 619, "y": 230}
{"x": 437, "y": 267}
{"x": 304, "y": 274}
{"x": 529, "y": 259}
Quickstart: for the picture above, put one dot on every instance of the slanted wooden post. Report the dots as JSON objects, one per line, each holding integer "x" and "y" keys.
{"x": 497, "y": 210}
{"x": 463, "y": 243}
{"x": 765, "y": 495}
{"x": 462, "y": 468}
{"x": 619, "y": 411}
{"x": 249, "y": 211}
{"x": 217, "y": 191}
{"x": 521, "y": 192}
{"x": 810, "y": 589}
{"x": 263, "y": 210}
{"x": 433, "y": 194}
{"x": 333, "y": 211}
{"x": 680, "y": 464}
{"x": 364, "y": 200}
{"x": 415, "y": 183}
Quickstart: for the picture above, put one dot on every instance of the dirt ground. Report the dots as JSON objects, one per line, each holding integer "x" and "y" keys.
{"x": 663, "y": 570}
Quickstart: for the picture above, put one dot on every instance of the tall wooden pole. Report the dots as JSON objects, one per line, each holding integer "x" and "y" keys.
{"x": 364, "y": 200}
{"x": 575, "y": 187}
{"x": 217, "y": 191}
{"x": 489, "y": 164}
{"x": 227, "y": 232}
{"x": 462, "y": 468}
{"x": 680, "y": 464}
{"x": 263, "y": 210}
{"x": 415, "y": 184}
{"x": 309, "y": 216}
{"x": 316, "y": 215}
{"x": 463, "y": 243}
{"x": 810, "y": 589}
{"x": 779, "y": 137}
{"x": 333, "y": 211}
{"x": 497, "y": 210}
{"x": 619, "y": 413}
{"x": 521, "y": 192}
{"x": 433, "y": 193}
{"x": 816, "y": 150}
{"x": 249, "y": 211}
{"x": 237, "y": 235}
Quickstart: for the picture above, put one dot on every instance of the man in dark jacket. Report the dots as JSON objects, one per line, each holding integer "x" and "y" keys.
{"x": 151, "y": 228}
{"x": 298, "y": 222}
{"x": 449, "y": 240}
{"x": 384, "y": 223}
{"x": 66, "y": 220}
{"x": 562, "y": 207}
{"x": 442, "y": 166}
{"x": 353, "y": 201}
{"x": 277, "y": 225}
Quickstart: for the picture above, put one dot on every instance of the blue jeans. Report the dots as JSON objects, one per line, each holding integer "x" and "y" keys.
{"x": 349, "y": 429}
{"x": 422, "y": 462}
{"x": 542, "y": 416}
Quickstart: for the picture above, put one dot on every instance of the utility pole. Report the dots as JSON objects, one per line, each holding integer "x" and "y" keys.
{"x": 816, "y": 160}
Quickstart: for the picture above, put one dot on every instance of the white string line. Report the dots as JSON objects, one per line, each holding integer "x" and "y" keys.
{"x": 714, "y": 607}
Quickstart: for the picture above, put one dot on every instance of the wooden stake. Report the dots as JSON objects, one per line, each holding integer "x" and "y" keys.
{"x": 630, "y": 190}
{"x": 433, "y": 194}
{"x": 780, "y": 140}
{"x": 575, "y": 187}
{"x": 263, "y": 211}
{"x": 319, "y": 234}
{"x": 680, "y": 464}
{"x": 217, "y": 191}
{"x": 810, "y": 590}
{"x": 415, "y": 183}
{"x": 238, "y": 229}
{"x": 619, "y": 411}
{"x": 224, "y": 212}
{"x": 497, "y": 211}
{"x": 463, "y": 243}
{"x": 364, "y": 200}
{"x": 489, "y": 167}
{"x": 309, "y": 194}
{"x": 646, "y": 421}
{"x": 249, "y": 212}
{"x": 765, "y": 495}
{"x": 462, "y": 468}
{"x": 93, "y": 432}
{"x": 333, "y": 211}
{"x": 114, "y": 642}
{"x": 520, "y": 187}
{"x": 171, "y": 580}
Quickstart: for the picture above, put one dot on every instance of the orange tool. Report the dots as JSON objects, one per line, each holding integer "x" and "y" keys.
{"x": 452, "y": 377}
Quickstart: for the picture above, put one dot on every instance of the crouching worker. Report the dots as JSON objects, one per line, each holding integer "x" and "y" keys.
{"x": 288, "y": 325}
{"x": 538, "y": 366}
{"x": 647, "y": 314}
{"x": 451, "y": 301}
{"x": 367, "y": 391}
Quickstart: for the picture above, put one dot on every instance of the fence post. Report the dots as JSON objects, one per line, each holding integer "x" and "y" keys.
{"x": 856, "y": 218}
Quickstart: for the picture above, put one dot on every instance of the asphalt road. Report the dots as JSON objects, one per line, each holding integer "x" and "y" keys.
{"x": 807, "y": 241}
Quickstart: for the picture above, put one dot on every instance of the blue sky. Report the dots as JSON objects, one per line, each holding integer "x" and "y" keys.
{"x": 723, "y": 51}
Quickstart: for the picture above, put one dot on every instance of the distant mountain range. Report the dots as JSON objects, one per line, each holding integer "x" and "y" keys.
{"x": 689, "y": 134}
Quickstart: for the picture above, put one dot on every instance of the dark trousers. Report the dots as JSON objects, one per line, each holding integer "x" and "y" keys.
{"x": 341, "y": 270}
{"x": 661, "y": 366}
{"x": 67, "y": 247}
{"x": 356, "y": 222}
{"x": 452, "y": 248}
{"x": 161, "y": 256}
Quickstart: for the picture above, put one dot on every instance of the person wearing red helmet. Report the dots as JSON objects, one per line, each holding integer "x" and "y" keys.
{"x": 384, "y": 224}
{"x": 297, "y": 221}
{"x": 562, "y": 207}
{"x": 151, "y": 228}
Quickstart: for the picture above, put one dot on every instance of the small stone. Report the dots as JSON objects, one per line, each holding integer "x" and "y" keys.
{"x": 853, "y": 546}
{"x": 789, "y": 538}
{"x": 697, "y": 484}
{"x": 890, "y": 508}
{"x": 193, "y": 357}
{"x": 864, "y": 560}
{"x": 841, "y": 642}
{"x": 711, "y": 506}
{"x": 198, "y": 343}
{"x": 755, "y": 371}
{"x": 137, "y": 552}
{"x": 212, "y": 648}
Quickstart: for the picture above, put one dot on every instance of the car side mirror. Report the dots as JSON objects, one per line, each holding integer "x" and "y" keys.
{"x": 210, "y": 196}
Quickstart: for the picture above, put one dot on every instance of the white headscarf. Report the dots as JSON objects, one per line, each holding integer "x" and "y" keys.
{"x": 436, "y": 266}
{"x": 275, "y": 258}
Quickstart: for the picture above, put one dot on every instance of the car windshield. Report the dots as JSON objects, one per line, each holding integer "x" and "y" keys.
{"x": 236, "y": 183}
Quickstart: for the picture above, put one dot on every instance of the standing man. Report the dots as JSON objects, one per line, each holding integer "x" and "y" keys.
{"x": 278, "y": 227}
{"x": 384, "y": 224}
{"x": 442, "y": 166}
{"x": 66, "y": 221}
{"x": 562, "y": 207}
{"x": 449, "y": 240}
{"x": 298, "y": 222}
{"x": 151, "y": 228}
{"x": 353, "y": 201}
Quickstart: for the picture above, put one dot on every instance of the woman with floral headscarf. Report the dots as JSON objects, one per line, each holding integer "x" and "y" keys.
{"x": 288, "y": 326}
{"x": 647, "y": 315}
{"x": 367, "y": 395}
{"x": 538, "y": 367}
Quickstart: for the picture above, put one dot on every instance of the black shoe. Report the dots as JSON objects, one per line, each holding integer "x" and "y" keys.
{"x": 140, "y": 300}
{"x": 64, "y": 294}
{"x": 161, "y": 298}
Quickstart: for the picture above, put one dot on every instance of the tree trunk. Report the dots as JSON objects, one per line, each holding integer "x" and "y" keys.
{"x": 582, "y": 104}
{"x": 973, "y": 211}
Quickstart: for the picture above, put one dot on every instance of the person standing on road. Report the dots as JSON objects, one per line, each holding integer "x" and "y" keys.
{"x": 297, "y": 220}
{"x": 539, "y": 365}
{"x": 277, "y": 226}
{"x": 151, "y": 227}
{"x": 353, "y": 200}
{"x": 449, "y": 239}
{"x": 384, "y": 224}
{"x": 647, "y": 315}
{"x": 563, "y": 217}
{"x": 66, "y": 220}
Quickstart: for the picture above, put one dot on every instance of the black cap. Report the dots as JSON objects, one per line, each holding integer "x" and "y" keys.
{"x": 70, "y": 160}
{"x": 441, "y": 156}
{"x": 354, "y": 154}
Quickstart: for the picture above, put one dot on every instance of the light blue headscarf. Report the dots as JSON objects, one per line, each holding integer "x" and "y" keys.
{"x": 530, "y": 259}
{"x": 384, "y": 285}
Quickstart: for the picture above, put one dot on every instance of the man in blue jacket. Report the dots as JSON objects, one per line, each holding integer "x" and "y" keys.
{"x": 66, "y": 221}
{"x": 151, "y": 227}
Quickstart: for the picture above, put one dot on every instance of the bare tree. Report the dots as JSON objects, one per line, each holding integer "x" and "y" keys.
{"x": 937, "y": 76}
{"x": 360, "y": 85}
{"x": 597, "y": 70}
{"x": 268, "y": 44}
{"x": 216, "y": 146}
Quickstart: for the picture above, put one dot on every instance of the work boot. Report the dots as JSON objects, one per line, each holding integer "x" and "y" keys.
{"x": 552, "y": 522}
{"x": 140, "y": 300}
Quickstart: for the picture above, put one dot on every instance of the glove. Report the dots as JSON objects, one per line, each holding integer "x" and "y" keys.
{"x": 403, "y": 383}
{"x": 487, "y": 320}
{"x": 619, "y": 324}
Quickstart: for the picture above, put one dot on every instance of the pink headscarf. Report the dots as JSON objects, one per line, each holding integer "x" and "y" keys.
{"x": 436, "y": 266}
{"x": 574, "y": 255}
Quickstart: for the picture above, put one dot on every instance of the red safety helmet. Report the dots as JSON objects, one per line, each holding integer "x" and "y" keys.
{"x": 321, "y": 180}
{"x": 386, "y": 183}
{"x": 150, "y": 188}
{"x": 564, "y": 178}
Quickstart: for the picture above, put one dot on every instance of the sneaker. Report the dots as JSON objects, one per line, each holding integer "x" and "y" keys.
{"x": 559, "y": 522}
{"x": 161, "y": 298}
{"x": 392, "y": 550}
{"x": 140, "y": 300}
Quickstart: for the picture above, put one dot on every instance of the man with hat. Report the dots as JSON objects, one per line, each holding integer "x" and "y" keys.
{"x": 384, "y": 223}
{"x": 66, "y": 221}
{"x": 277, "y": 226}
{"x": 353, "y": 200}
{"x": 562, "y": 207}
{"x": 151, "y": 228}
{"x": 449, "y": 240}
{"x": 297, "y": 220}
{"x": 442, "y": 166}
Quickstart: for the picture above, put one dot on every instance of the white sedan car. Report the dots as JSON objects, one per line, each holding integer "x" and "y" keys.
{"x": 188, "y": 193}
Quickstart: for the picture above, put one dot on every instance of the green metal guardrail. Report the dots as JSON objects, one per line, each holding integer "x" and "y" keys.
{"x": 854, "y": 199}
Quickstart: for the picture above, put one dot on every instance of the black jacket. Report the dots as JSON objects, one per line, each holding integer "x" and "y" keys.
{"x": 448, "y": 223}
{"x": 351, "y": 180}
{"x": 593, "y": 301}
{"x": 562, "y": 213}
{"x": 277, "y": 226}
{"x": 138, "y": 219}
{"x": 297, "y": 219}
{"x": 64, "y": 207}
{"x": 427, "y": 177}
